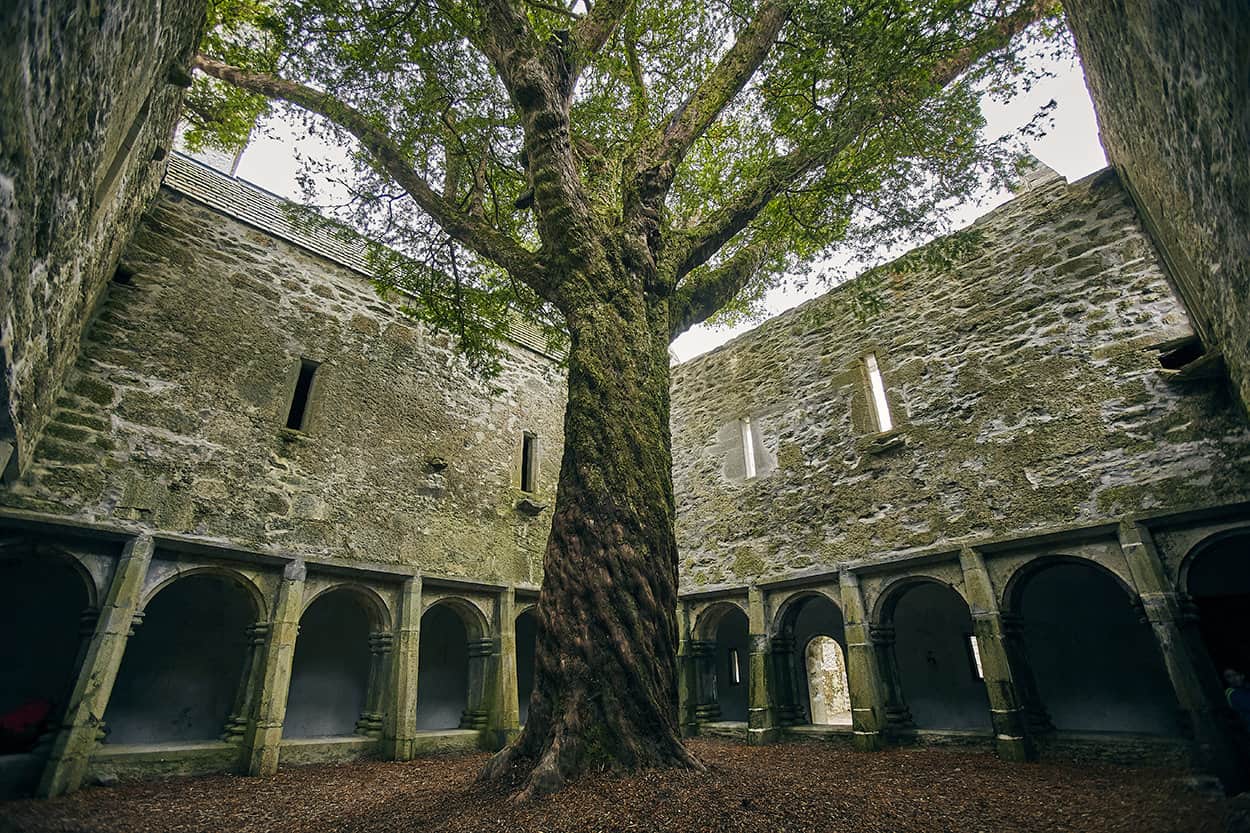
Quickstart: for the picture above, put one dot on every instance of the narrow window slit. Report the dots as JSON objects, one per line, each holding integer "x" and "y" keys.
{"x": 296, "y": 417}
{"x": 529, "y": 462}
{"x": 735, "y": 669}
{"x": 974, "y": 650}
{"x": 748, "y": 448}
{"x": 880, "y": 405}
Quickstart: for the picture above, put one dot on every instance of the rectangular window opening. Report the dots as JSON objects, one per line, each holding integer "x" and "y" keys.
{"x": 298, "y": 414}
{"x": 880, "y": 406}
{"x": 735, "y": 669}
{"x": 974, "y": 651}
{"x": 748, "y": 448}
{"x": 529, "y": 462}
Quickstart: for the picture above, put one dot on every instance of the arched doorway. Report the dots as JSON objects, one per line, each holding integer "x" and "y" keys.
{"x": 934, "y": 658}
{"x": 451, "y": 668}
{"x": 330, "y": 671}
{"x": 809, "y": 653}
{"x": 526, "y": 645}
{"x": 45, "y": 602}
{"x": 183, "y": 667}
{"x": 1092, "y": 656}
{"x": 1217, "y": 579}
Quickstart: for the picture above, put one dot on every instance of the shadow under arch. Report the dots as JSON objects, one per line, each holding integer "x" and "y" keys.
{"x": 184, "y": 675}
{"x": 47, "y": 615}
{"x": 453, "y": 655}
{"x": 255, "y": 595}
{"x": 812, "y": 683}
{"x": 923, "y": 638}
{"x": 1215, "y": 575}
{"x": 1092, "y": 658}
{"x": 526, "y": 646}
{"x": 336, "y": 671}
{"x": 721, "y": 653}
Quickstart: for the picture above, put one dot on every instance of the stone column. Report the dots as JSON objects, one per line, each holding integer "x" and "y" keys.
{"x": 687, "y": 676}
{"x": 761, "y": 714}
{"x": 1213, "y": 748}
{"x": 83, "y": 720}
{"x": 1010, "y": 739}
{"x": 868, "y": 697}
{"x": 1036, "y": 719}
{"x": 506, "y": 710}
{"x": 249, "y": 683}
{"x": 706, "y": 707}
{"x": 789, "y": 710}
{"x": 401, "y": 733}
{"x": 373, "y": 718}
{"x": 265, "y": 731}
{"x": 481, "y": 673}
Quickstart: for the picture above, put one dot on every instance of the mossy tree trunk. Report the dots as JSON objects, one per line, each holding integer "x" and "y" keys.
{"x": 605, "y": 684}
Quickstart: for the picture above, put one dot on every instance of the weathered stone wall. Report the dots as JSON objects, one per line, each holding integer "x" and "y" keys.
{"x": 174, "y": 417}
{"x": 1170, "y": 85}
{"x": 85, "y": 103}
{"x": 1023, "y": 384}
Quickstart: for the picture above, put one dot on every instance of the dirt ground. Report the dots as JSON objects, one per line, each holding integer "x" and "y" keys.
{"x": 789, "y": 787}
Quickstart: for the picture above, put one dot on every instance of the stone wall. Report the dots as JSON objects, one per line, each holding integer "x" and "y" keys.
{"x": 87, "y": 111}
{"x": 1169, "y": 82}
{"x": 174, "y": 416}
{"x": 1024, "y": 387}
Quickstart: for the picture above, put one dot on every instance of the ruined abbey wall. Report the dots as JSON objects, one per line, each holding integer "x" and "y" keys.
{"x": 1025, "y": 386}
{"x": 174, "y": 417}
{"x": 88, "y": 109}
{"x": 1169, "y": 82}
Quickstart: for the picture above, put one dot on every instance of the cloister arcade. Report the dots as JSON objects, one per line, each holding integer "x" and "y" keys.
{"x": 205, "y": 660}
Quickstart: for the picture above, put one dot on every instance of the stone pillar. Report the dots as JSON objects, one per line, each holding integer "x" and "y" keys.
{"x": 1213, "y": 748}
{"x": 265, "y": 731}
{"x": 1033, "y": 710}
{"x": 83, "y": 720}
{"x": 1010, "y": 738}
{"x": 401, "y": 733}
{"x": 687, "y": 676}
{"x": 477, "y": 711}
{"x": 706, "y": 706}
{"x": 373, "y": 718}
{"x": 506, "y": 711}
{"x": 249, "y": 683}
{"x": 789, "y": 708}
{"x": 868, "y": 697}
{"x": 761, "y": 714}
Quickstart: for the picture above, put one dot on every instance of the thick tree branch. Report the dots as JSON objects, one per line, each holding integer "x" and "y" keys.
{"x": 696, "y": 246}
{"x": 664, "y": 150}
{"x": 700, "y": 298}
{"x": 593, "y": 30}
{"x": 475, "y": 234}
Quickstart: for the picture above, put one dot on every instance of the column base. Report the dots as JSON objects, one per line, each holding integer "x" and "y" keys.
{"x": 868, "y": 741}
{"x": 1016, "y": 749}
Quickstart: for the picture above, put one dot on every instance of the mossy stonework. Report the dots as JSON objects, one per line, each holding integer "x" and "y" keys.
{"x": 1025, "y": 389}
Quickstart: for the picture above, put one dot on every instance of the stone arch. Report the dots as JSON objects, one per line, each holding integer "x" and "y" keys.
{"x": 47, "y": 614}
{"x": 808, "y": 682}
{"x": 243, "y": 581}
{"x": 709, "y": 619}
{"x": 721, "y": 652}
{"x": 1215, "y": 576}
{"x": 455, "y": 647}
{"x": 1093, "y": 658}
{"x": 923, "y": 636}
{"x": 370, "y": 599}
{"x": 184, "y": 675}
{"x": 332, "y": 671}
{"x": 526, "y": 645}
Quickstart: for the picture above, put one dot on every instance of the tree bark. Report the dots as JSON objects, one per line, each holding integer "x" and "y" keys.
{"x": 605, "y": 691}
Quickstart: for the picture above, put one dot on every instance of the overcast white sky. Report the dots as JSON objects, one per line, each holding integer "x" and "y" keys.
{"x": 1071, "y": 147}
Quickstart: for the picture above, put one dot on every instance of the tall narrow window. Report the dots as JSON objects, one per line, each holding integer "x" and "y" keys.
{"x": 735, "y": 669}
{"x": 529, "y": 462}
{"x": 880, "y": 407}
{"x": 298, "y": 414}
{"x": 748, "y": 448}
{"x": 975, "y": 651}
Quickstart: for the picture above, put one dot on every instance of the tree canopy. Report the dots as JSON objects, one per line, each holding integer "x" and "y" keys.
{"x": 774, "y": 132}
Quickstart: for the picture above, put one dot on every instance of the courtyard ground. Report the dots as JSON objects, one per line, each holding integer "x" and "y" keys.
{"x": 789, "y": 787}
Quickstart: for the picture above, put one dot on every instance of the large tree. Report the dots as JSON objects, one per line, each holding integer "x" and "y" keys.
{"x": 624, "y": 170}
